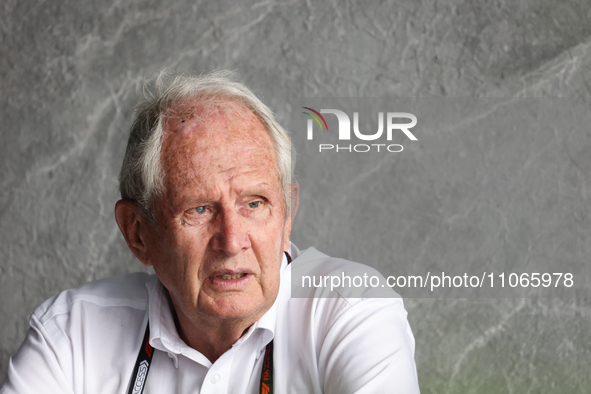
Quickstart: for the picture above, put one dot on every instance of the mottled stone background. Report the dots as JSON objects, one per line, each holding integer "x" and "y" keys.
{"x": 71, "y": 72}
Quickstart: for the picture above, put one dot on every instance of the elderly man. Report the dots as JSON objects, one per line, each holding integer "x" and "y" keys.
{"x": 207, "y": 202}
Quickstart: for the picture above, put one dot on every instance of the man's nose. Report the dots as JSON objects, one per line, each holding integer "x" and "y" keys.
{"x": 231, "y": 236}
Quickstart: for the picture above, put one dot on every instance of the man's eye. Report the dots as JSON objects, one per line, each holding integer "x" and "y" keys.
{"x": 200, "y": 210}
{"x": 254, "y": 204}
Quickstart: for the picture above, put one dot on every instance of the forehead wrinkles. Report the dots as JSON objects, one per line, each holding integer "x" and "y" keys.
{"x": 220, "y": 143}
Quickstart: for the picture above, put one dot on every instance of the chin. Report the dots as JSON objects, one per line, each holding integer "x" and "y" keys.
{"x": 238, "y": 307}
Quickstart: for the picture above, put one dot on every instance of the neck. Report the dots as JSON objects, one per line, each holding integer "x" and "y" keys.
{"x": 213, "y": 341}
{"x": 211, "y": 338}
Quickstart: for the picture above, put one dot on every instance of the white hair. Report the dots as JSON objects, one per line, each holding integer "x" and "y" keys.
{"x": 142, "y": 177}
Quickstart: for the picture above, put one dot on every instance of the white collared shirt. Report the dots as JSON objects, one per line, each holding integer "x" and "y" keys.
{"x": 86, "y": 340}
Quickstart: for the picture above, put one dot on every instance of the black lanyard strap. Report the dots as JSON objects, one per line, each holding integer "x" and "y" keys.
{"x": 142, "y": 365}
{"x": 267, "y": 372}
{"x": 144, "y": 358}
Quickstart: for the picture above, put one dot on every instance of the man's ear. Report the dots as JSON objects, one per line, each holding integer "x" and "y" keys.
{"x": 295, "y": 199}
{"x": 133, "y": 227}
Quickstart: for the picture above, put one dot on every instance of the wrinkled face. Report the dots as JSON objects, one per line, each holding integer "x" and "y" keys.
{"x": 221, "y": 226}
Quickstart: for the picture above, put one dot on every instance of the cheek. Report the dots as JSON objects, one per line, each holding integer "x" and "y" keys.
{"x": 187, "y": 252}
{"x": 180, "y": 269}
{"x": 173, "y": 254}
{"x": 277, "y": 243}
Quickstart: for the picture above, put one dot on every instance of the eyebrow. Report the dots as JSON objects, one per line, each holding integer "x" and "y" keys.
{"x": 257, "y": 188}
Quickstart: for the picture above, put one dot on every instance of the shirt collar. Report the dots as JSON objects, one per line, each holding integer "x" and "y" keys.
{"x": 163, "y": 332}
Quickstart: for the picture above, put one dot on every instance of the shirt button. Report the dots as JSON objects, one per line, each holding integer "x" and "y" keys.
{"x": 216, "y": 378}
{"x": 170, "y": 355}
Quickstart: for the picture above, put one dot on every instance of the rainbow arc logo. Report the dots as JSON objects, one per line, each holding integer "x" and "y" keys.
{"x": 316, "y": 119}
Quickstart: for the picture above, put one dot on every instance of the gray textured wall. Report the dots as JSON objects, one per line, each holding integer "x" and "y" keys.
{"x": 70, "y": 76}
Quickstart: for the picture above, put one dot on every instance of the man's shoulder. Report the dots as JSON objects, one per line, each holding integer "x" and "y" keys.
{"x": 124, "y": 291}
{"x": 356, "y": 333}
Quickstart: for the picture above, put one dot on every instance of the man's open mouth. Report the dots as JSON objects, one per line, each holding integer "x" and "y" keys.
{"x": 228, "y": 277}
